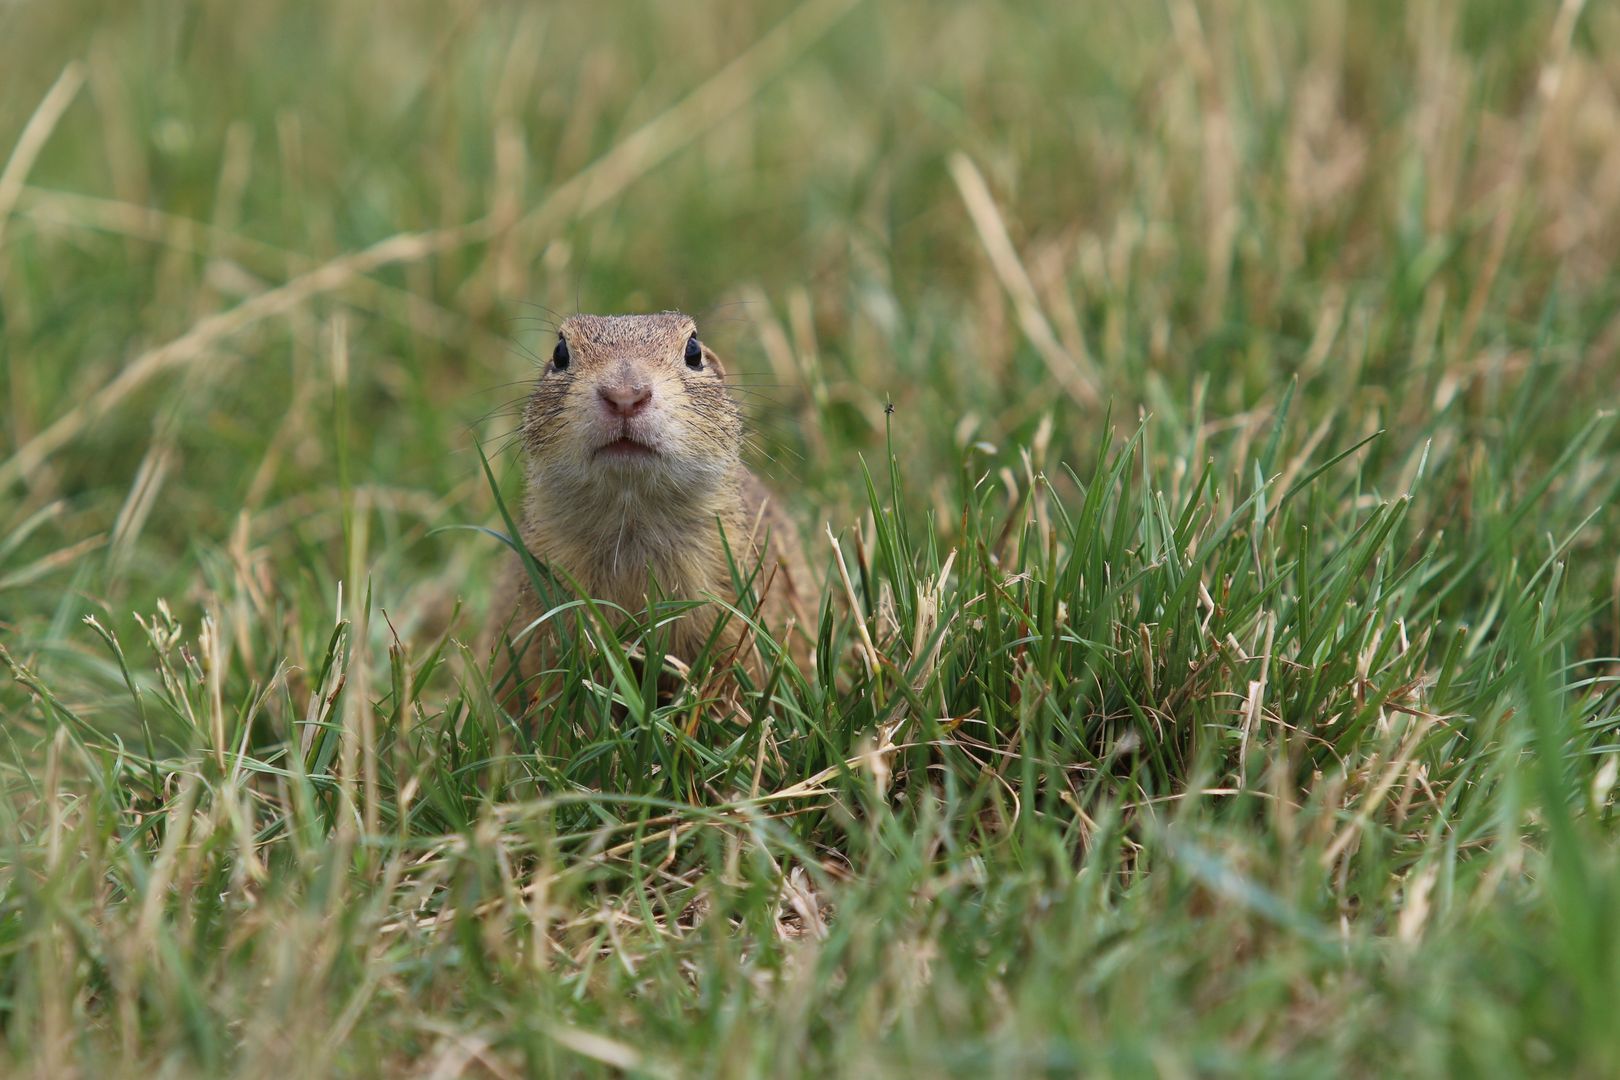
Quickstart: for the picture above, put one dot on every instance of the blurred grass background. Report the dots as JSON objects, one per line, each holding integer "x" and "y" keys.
{"x": 1198, "y": 198}
{"x": 269, "y": 273}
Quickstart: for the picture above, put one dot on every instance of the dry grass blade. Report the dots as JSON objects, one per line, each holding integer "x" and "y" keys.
{"x": 33, "y": 138}
{"x": 196, "y": 342}
{"x": 610, "y": 1052}
{"x": 720, "y": 96}
{"x": 1075, "y": 374}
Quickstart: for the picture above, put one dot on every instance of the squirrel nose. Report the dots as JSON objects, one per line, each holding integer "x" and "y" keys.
{"x": 625, "y": 400}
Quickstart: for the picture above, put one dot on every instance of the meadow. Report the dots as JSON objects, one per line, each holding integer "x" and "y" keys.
{"x": 1200, "y": 413}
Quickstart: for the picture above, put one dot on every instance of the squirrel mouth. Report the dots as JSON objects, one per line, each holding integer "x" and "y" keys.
{"x": 625, "y": 447}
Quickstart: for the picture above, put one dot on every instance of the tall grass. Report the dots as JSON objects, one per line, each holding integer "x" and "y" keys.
{"x": 1200, "y": 415}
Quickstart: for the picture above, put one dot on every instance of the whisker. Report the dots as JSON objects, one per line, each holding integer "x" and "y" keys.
{"x": 534, "y": 322}
{"x": 503, "y": 386}
{"x": 541, "y": 307}
{"x": 510, "y": 408}
{"x": 523, "y": 352}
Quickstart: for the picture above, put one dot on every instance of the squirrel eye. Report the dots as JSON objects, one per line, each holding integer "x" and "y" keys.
{"x": 694, "y": 353}
{"x": 559, "y": 355}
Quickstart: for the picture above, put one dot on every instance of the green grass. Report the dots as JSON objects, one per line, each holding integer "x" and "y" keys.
{"x": 1225, "y": 682}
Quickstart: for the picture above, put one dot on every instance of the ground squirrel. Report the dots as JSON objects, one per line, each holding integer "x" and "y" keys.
{"x": 633, "y": 458}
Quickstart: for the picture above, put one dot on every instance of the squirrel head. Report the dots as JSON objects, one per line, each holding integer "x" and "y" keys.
{"x": 631, "y": 405}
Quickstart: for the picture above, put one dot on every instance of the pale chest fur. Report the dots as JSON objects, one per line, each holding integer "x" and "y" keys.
{"x": 613, "y": 544}
{"x": 619, "y": 543}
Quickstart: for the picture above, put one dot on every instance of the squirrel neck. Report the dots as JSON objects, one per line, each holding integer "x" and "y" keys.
{"x": 611, "y": 538}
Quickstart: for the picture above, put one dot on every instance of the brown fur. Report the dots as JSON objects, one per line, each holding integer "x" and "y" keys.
{"x": 608, "y": 522}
